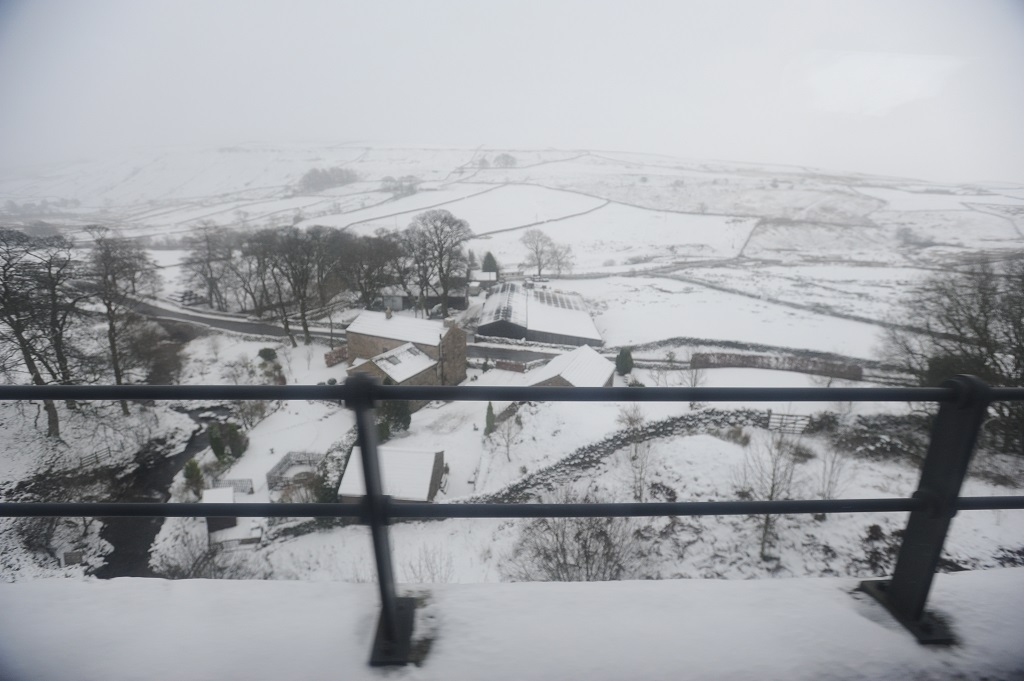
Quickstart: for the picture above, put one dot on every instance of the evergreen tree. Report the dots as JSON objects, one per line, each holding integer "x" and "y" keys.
{"x": 624, "y": 361}
{"x": 237, "y": 441}
{"x": 489, "y": 423}
{"x": 213, "y": 434}
{"x": 194, "y": 478}
{"x": 489, "y": 263}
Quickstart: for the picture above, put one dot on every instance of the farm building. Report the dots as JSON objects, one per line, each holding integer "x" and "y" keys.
{"x": 484, "y": 280}
{"x": 513, "y": 311}
{"x": 581, "y": 368}
{"x": 405, "y": 365}
{"x": 375, "y": 333}
{"x": 398, "y": 298}
{"x": 219, "y": 495}
{"x": 406, "y": 474}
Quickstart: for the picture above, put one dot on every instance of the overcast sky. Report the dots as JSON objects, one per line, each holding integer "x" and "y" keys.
{"x": 928, "y": 89}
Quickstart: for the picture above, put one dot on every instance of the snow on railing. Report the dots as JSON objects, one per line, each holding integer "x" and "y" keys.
{"x": 963, "y": 403}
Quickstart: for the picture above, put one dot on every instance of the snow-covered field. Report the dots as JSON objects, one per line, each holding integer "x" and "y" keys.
{"x": 636, "y": 310}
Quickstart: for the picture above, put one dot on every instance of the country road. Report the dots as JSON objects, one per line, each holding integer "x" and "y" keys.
{"x": 254, "y": 328}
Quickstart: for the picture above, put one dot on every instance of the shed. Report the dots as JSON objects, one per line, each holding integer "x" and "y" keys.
{"x": 581, "y": 368}
{"x": 406, "y": 474}
{"x": 219, "y": 495}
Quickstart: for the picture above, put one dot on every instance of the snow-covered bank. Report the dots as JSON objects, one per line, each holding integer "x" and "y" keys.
{"x": 766, "y": 629}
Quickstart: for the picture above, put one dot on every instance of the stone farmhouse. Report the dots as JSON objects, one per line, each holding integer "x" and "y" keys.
{"x": 373, "y": 335}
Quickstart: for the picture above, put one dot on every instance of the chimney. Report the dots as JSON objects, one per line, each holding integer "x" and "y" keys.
{"x": 387, "y": 313}
{"x": 449, "y": 322}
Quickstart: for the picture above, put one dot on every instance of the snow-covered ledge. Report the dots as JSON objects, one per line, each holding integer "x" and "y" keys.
{"x": 768, "y": 629}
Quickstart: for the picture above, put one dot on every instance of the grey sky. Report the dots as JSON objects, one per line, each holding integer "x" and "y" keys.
{"x": 924, "y": 88}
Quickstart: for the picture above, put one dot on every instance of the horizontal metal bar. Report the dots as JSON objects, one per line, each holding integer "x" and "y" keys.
{"x": 158, "y": 510}
{"x": 424, "y": 510}
{"x": 484, "y": 393}
{"x": 989, "y": 503}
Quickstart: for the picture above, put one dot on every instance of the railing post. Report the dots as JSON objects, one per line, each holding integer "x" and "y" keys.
{"x": 953, "y": 438}
{"x": 393, "y": 641}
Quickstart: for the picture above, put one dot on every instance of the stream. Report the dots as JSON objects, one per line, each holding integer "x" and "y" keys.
{"x": 132, "y": 538}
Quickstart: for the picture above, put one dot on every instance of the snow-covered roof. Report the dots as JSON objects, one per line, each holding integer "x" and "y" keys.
{"x": 582, "y": 368}
{"x": 405, "y": 473}
{"x": 540, "y": 310}
{"x": 403, "y": 362}
{"x": 485, "y": 276}
{"x": 219, "y": 495}
{"x": 506, "y": 303}
{"x": 398, "y": 327}
{"x": 560, "y": 313}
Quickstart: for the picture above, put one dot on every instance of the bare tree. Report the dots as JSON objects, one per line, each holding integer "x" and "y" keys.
{"x": 539, "y": 249}
{"x": 368, "y": 266}
{"x": 208, "y": 262}
{"x": 433, "y": 565}
{"x": 60, "y": 297}
{"x": 295, "y": 261}
{"x": 192, "y": 556}
{"x": 968, "y": 322}
{"x": 638, "y": 455}
{"x": 443, "y": 237}
{"x": 120, "y": 269}
{"x": 832, "y": 479}
{"x": 562, "y": 259}
{"x": 506, "y": 434}
{"x": 38, "y": 303}
{"x": 574, "y": 549}
{"x": 694, "y": 377}
{"x": 768, "y": 473}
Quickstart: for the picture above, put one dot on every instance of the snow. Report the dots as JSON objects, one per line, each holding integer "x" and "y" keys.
{"x": 636, "y": 310}
{"x": 219, "y": 495}
{"x": 397, "y": 213}
{"x": 403, "y": 362}
{"x": 582, "y": 368}
{"x": 405, "y": 473}
{"x": 797, "y": 629}
{"x": 612, "y": 232}
{"x": 898, "y": 199}
{"x": 398, "y": 327}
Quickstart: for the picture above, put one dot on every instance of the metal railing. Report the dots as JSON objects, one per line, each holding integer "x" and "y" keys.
{"x": 963, "y": 402}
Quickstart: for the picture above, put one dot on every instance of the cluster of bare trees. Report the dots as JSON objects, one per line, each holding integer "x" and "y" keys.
{"x": 543, "y": 253}
{"x": 291, "y": 271}
{"x": 51, "y": 302}
{"x": 972, "y": 322}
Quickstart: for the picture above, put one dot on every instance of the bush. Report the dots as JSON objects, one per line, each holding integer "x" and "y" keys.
{"x": 383, "y": 431}
{"x": 624, "y": 361}
{"x": 194, "y": 478}
{"x": 736, "y": 434}
{"x": 213, "y": 434}
{"x": 574, "y": 549}
{"x": 822, "y": 422}
{"x": 267, "y": 354}
{"x": 396, "y": 413}
{"x": 237, "y": 440}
